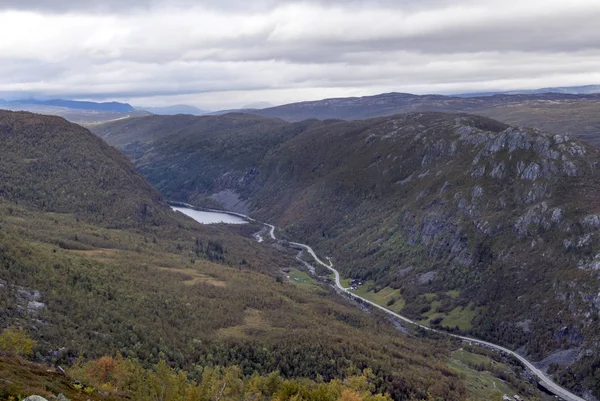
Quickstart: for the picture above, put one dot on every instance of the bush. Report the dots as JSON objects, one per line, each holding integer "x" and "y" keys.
{"x": 15, "y": 341}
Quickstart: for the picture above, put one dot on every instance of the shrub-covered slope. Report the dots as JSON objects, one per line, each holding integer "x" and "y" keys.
{"x": 201, "y": 153}
{"x": 50, "y": 164}
{"x": 466, "y": 222}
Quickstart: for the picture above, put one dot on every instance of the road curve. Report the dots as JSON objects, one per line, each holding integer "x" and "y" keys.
{"x": 548, "y": 383}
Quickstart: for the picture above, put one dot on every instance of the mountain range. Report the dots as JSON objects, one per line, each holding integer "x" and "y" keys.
{"x": 574, "y": 90}
{"x": 456, "y": 220}
{"x": 561, "y": 110}
{"x": 128, "y": 296}
{"x": 72, "y": 104}
{"x": 175, "y": 109}
{"x": 553, "y": 112}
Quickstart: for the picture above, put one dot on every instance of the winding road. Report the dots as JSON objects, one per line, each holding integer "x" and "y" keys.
{"x": 545, "y": 380}
{"x": 548, "y": 383}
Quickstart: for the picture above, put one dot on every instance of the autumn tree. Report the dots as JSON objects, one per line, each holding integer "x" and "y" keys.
{"x": 15, "y": 341}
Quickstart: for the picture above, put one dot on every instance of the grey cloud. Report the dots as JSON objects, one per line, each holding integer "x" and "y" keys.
{"x": 547, "y": 36}
{"x": 145, "y": 60}
{"x": 117, "y": 6}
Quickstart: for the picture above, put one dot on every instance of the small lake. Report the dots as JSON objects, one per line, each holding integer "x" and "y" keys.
{"x": 210, "y": 217}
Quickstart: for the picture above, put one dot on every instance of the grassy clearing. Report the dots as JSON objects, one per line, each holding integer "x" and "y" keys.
{"x": 460, "y": 317}
{"x": 193, "y": 277}
{"x": 430, "y": 297}
{"x": 254, "y": 324}
{"x": 102, "y": 253}
{"x": 481, "y": 383}
{"x": 387, "y": 297}
{"x": 433, "y": 313}
{"x": 301, "y": 279}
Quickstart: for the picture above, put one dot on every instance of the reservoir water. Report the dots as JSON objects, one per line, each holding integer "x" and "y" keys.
{"x": 210, "y": 217}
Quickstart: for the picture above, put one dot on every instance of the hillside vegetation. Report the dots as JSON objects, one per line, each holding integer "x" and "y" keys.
{"x": 464, "y": 222}
{"x": 227, "y": 145}
{"x": 93, "y": 264}
{"x": 52, "y": 165}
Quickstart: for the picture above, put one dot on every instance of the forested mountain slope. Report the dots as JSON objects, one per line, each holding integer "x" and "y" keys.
{"x": 50, "y": 164}
{"x": 92, "y": 263}
{"x": 461, "y": 221}
{"x": 200, "y": 154}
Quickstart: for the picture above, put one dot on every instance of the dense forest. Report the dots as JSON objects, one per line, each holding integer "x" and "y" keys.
{"x": 122, "y": 378}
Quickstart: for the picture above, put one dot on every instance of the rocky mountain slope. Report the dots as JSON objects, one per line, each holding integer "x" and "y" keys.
{"x": 459, "y": 221}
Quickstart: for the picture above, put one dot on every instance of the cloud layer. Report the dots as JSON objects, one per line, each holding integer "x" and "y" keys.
{"x": 229, "y": 53}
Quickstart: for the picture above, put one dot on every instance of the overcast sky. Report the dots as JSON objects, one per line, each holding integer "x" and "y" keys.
{"x": 229, "y": 53}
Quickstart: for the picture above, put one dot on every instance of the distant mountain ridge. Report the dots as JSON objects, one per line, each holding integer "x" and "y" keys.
{"x": 73, "y": 104}
{"x": 572, "y": 90}
{"x": 356, "y": 108}
{"x": 174, "y": 109}
{"x": 559, "y": 113}
{"x": 79, "y": 112}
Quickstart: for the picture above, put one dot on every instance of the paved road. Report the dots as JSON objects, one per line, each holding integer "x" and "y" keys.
{"x": 549, "y": 384}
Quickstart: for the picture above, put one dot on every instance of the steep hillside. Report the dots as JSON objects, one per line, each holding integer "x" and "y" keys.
{"x": 202, "y": 154}
{"x": 52, "y": 165}
{"x": 481, "y": 227}
{"x": 84, "y": 279}
{"x": 459, "y": 221}
{"x": 558, "y": 113}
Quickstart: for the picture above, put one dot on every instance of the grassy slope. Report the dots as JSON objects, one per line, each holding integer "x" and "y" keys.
{"x": 19, "y": 377}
